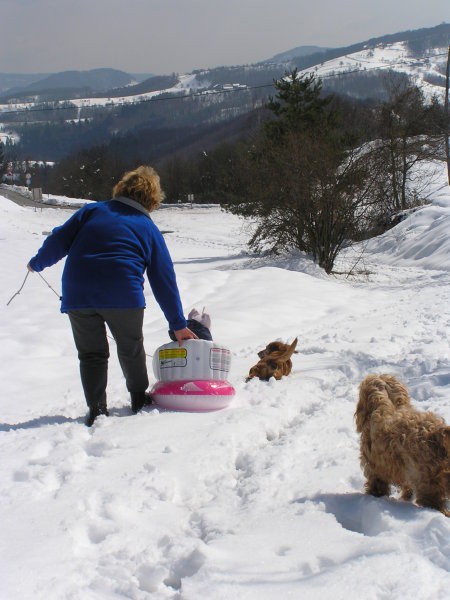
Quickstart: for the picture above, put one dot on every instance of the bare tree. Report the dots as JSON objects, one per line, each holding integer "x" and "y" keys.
{"x": 408, "y": 133}
{"x": 307, "y": 194}
{"x": 2, "y": 157}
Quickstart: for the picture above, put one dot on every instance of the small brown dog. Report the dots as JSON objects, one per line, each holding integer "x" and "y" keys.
{"x": 275, "y": 361}
{"x": 402, "y": 446}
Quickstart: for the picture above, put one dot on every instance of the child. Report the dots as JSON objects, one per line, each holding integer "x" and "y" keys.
{"x": 199, "y": 324}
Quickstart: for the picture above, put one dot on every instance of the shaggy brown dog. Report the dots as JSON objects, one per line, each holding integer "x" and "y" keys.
{"x": 401, "y": 445}
{"x": 275, "y": 361}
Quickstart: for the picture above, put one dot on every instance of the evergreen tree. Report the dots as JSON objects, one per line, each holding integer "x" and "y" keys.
{"x": 308, "y": 189}
{"x": 299, "y": 105}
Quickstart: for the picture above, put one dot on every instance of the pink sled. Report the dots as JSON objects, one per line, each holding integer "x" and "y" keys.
{"x": 192, "y": 377}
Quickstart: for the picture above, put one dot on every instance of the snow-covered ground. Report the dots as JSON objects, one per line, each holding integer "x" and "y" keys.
{"x": 396, "y": 57}
{"x": 261, "y": 501}
{"x": 52, "y": 199}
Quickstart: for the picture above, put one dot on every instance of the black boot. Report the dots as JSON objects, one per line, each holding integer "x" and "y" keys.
{"x": 94, "y": 412}
{"x": 138, "y": 399}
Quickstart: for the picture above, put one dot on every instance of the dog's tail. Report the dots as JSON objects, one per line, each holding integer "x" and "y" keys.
{"x": 289, "y": 352}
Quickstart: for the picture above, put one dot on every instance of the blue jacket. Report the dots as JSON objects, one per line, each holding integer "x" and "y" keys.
{"x": 109, "y": 246}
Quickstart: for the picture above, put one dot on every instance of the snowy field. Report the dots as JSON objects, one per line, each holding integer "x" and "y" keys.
{"x": 261, "y": 501}
{"x": 397, "y": 57}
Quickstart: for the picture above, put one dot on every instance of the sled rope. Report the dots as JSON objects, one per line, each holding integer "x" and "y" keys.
{"x": 19, "y": 290}
{"x": 23, "y": 284}
{"x": 48, "y": 285}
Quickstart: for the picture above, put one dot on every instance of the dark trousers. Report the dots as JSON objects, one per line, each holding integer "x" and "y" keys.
{"x": 89, "y": 332}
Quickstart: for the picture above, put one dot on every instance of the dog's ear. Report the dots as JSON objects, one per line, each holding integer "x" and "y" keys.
{"x": 272, "y": 364}
{"x": 397, "y": 391}
{"x": 252, "y": 373}
{"x": 447, "y": 440}
{"x": 361, "y": 416}
{"x": 271, "y": 348}
{"x": 364, "y": 407}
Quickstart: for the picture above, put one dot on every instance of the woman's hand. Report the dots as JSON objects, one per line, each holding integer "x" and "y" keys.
{"x": 184, "y": 334}
{"x": 29, "y": 268}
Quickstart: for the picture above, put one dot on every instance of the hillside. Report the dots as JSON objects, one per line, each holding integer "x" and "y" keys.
{"x": 298, "y": 52}
{"x": 73, "y": 82}
{"x": 263, "y": 500}
{"x": 9, "y": 81}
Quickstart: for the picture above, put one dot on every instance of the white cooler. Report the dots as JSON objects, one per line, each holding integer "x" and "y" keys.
{"x": 195, "y": 359}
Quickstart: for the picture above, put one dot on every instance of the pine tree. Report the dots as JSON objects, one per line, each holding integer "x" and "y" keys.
{"x": 299, "y": 105}
{"x": 307, "y": 188}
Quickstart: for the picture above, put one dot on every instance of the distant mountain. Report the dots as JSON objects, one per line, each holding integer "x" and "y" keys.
{"x": 10, "y": 81}
{"x": 152, "y": 84}
{"x": 66, "y": 84}
{"x": 96, "y": 80}
{"x": 138, "y": 77}
{"x": 299, "y": 52}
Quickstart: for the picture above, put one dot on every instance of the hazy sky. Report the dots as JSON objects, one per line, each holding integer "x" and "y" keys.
{"x": 162, "y": 36}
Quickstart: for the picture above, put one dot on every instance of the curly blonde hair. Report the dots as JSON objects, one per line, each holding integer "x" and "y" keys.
{"x": 143, "y": 185}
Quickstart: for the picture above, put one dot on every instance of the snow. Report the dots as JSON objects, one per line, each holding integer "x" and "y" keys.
{"x": 260, "y": 501}
{"x": 51, "y": 199}
{"x": 396, "y": 57}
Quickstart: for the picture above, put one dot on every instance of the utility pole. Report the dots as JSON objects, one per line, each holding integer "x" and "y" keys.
{"x": 447, "y": 117}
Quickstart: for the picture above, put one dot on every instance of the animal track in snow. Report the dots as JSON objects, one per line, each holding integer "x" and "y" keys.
{"x": 97, "y": 449}
{"x": 185, "y": 566}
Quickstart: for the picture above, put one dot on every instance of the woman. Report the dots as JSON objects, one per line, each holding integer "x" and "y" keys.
{"x": 109, "y": 246}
